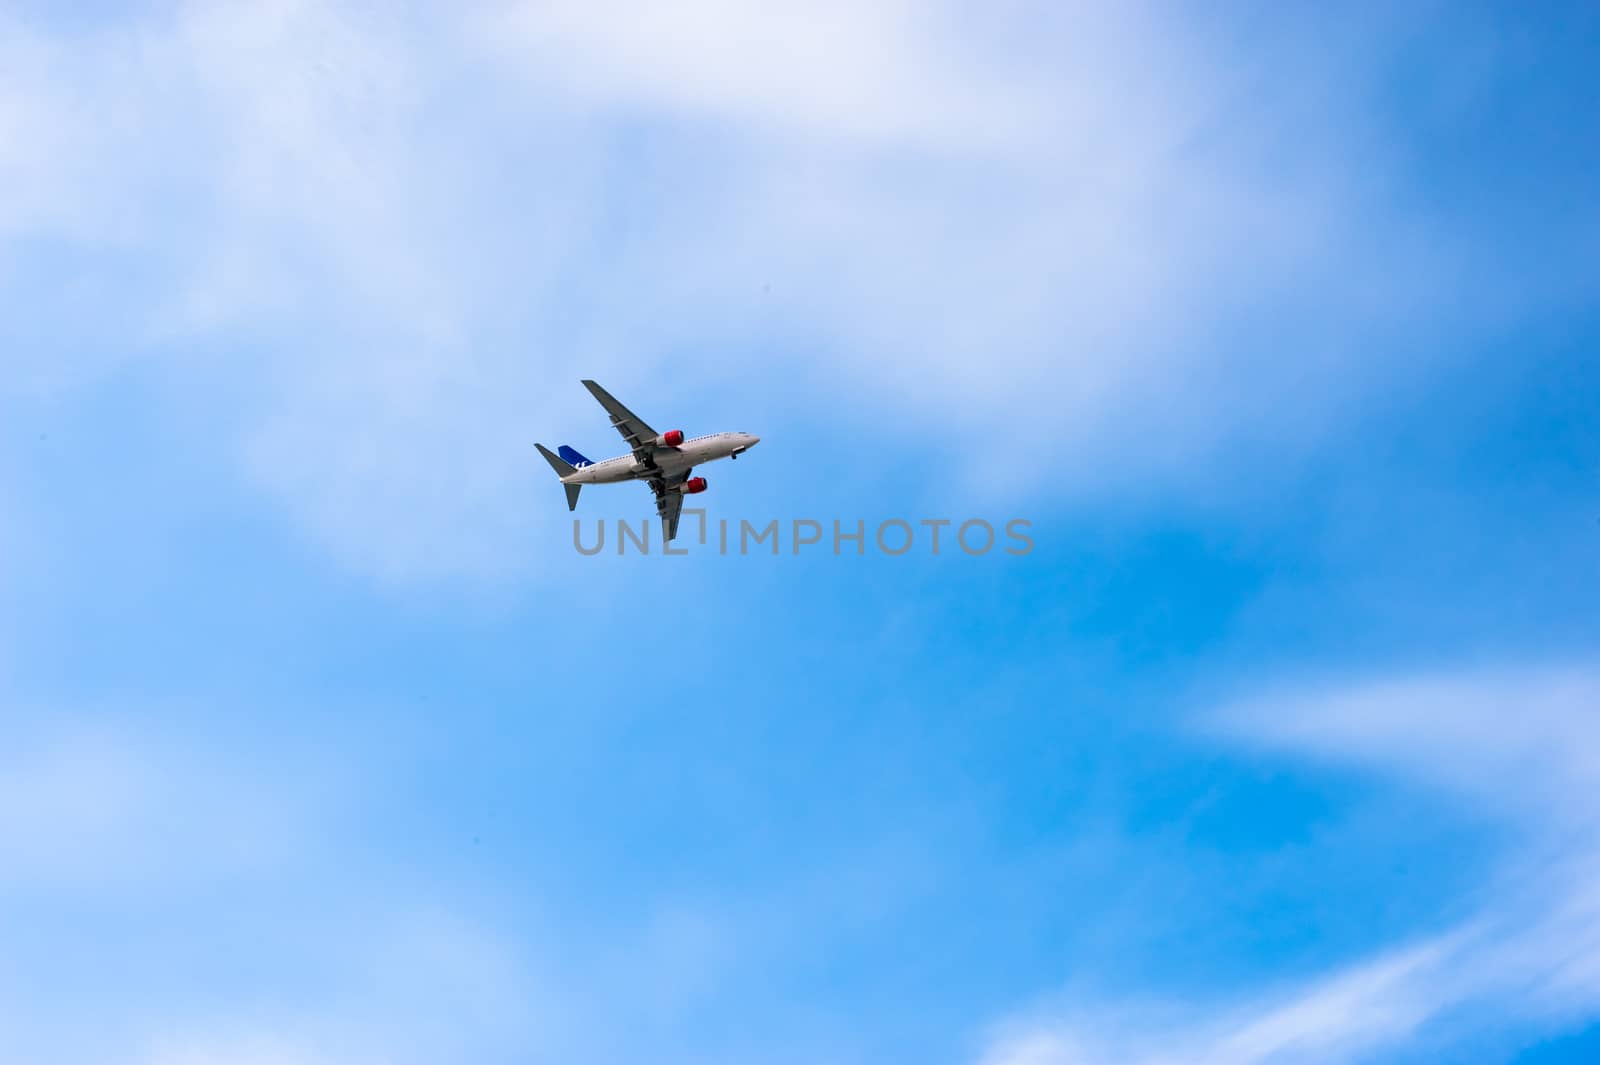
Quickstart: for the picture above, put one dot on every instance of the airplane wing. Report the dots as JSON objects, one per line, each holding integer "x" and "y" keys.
{"x": 630, "y": 425}
{"x": 641, "y": 439}
{"x": 669, "y": 503}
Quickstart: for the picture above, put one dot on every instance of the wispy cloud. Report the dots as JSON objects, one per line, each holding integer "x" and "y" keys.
{"x": 94, "y": 804}
{"x": 410, "y": 987}
{"x": 1069, "y": 230}
{"x": 869, "y": 75}
{"x": 1520, "y": 745}
{"x": 235, "y": 932}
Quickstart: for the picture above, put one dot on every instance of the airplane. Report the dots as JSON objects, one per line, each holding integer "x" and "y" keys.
{"x": 664, "y": 460}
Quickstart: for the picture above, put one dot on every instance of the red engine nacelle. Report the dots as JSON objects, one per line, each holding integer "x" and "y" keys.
{"x": 670, "y": 438}
{"x": 694, "y": 485}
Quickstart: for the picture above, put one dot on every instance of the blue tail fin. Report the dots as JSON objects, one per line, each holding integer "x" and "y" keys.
{"x": 578, "y": 461}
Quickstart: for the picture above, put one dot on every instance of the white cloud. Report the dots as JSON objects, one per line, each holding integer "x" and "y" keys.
{"x": 1057, "y": 228}
{"x": 1517, "y": 744}
{"x": 93, "y": 804}
{"x": 202, "y": 908}
{"x": 412, "y": 987}
{"x": 239, "y": 1050}
{"x": 887, "y": 72}
{"x": 1335, "y": 1020}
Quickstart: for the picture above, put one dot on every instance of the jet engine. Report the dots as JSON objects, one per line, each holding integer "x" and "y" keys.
{"x": 693, "y": 485}
{"x": 670, "y": 438}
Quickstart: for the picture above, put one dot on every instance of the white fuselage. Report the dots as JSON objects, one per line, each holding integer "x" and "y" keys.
{"x": 669, "y": 460}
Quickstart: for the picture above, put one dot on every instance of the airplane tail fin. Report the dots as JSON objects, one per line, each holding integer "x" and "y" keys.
{"x": 562, "y": 468}
{"x": 572, "y": 456}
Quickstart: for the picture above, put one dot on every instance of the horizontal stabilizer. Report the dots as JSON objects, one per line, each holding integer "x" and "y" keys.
{"x": 561, "y": 466}
{"x": 572, "y": 495}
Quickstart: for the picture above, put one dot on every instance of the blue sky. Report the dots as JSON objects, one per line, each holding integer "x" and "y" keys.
{"x": 325, "y": 748}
